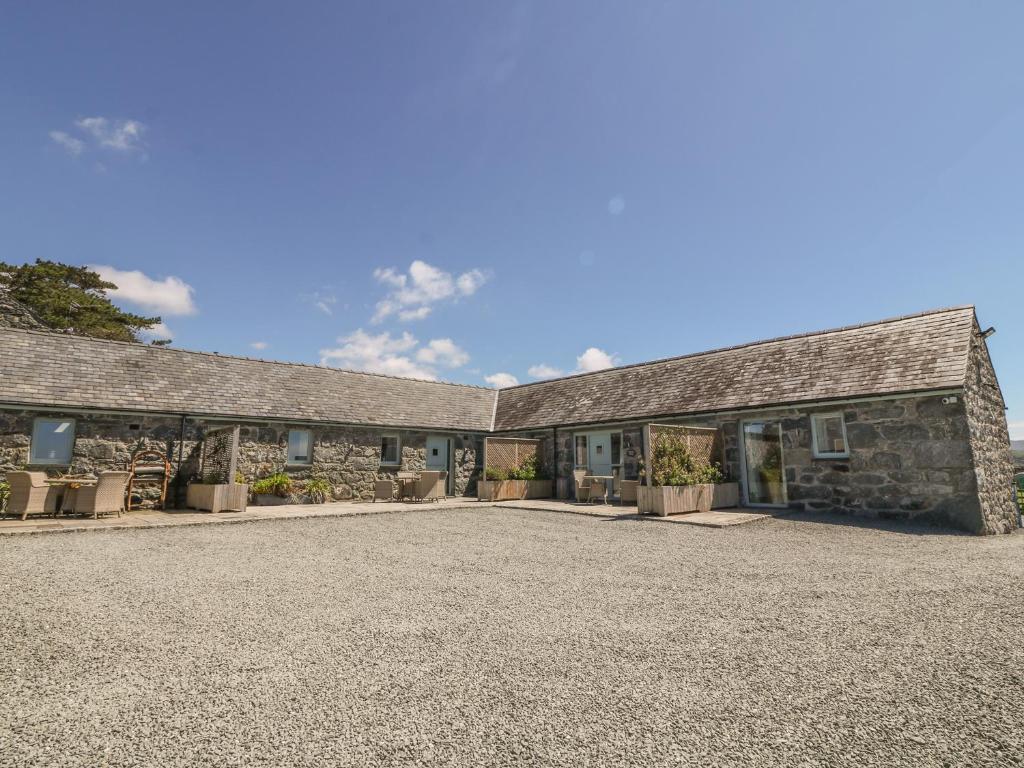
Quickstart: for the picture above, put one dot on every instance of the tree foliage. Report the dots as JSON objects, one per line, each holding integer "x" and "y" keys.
{"x": 66, "y": 297}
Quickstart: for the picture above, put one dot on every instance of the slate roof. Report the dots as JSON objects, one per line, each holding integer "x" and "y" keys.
{"x": 55, "y": 369}
{"x": 906, "y": 354}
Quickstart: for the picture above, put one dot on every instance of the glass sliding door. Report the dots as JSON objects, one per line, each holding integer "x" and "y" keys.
{"x": 762, "y": 463}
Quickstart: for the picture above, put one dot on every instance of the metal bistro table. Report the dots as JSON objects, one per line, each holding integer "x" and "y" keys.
{"x": 71, "y": 486}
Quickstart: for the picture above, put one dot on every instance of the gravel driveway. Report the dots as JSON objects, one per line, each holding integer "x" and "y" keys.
{"x": 497, "y": 637}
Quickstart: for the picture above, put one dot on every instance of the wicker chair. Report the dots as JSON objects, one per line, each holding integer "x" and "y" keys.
{"x": 105, "y": 497}
{"x": 31, "y": 495}
{"x": 431, "y": 485}
{"x": 383, "y": 490}
{"x": 582, "y": 489}
{"x": 629, "y": 493}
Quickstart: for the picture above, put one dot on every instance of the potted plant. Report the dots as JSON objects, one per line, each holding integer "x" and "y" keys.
{"x": 526, "y": 481}
{"x": 677, "y": 486}
{"x": 216, "y": 495}
{"x": 273, "y": 490}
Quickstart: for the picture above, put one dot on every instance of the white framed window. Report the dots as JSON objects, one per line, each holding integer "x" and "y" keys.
{"x": 828, "y": 436}
{"x": 582, "y": 458}
{"x": 390, "y": 450}
{"x": 53, "y": 441}
{"x": 300, "y": 446}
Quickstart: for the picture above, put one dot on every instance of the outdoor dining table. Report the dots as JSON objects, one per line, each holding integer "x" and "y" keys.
{"x": 71, "y": 486}
{"x": 406, "y": 483}
{"x": 608, "y": 479}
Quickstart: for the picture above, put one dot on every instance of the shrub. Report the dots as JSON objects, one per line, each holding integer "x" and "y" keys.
{"x": 493, "y": 473}
{"x": 239, "y": 478}
{"x": 318, "y": 490}
{"x": 5, "y": 492}
{"x": 671, "y": 464}
{"x": 278, "y": 484}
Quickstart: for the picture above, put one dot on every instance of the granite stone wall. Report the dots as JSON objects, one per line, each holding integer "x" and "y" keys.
{"x": 989, "y": 442}
{"x": 910, "y": 458}
{"x": 348, "y": 458}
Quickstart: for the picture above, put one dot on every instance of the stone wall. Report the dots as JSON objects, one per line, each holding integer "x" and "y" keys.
{"x": 910, "y": 458}
{"x": 989, "y": 441}
{"x": 348, "y": 458}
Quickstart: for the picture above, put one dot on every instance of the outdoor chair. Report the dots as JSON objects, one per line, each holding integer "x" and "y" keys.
{"x": 104, "y": 498}
{"x": 629, "y": 493}
{"x": 383, "y": 490}
{"x": 431, "y": 485}
{"x": 582, "y": 489}
{"x": 31, "y": 495}
{"x": 598, "y": 491}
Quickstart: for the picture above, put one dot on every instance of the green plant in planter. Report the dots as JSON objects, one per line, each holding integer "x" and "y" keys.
{"x": 671, "y": 463}
{"x": 5, "y": 493}
{"x": 318, "y": 490}
{"x": 239, "y": 478}
{"x": 494, "y": 473}
{"x": 278, "y": 484}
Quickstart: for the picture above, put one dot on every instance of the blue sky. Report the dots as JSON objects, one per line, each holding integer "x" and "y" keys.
{"x": 463, "y": 190}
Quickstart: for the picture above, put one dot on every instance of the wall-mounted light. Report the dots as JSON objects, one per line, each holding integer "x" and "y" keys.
{"x": 990, "y": 331}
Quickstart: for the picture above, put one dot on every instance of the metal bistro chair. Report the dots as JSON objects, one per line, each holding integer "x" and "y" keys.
{"x": 31, "y": 495}
{"x": 598, "y": 491}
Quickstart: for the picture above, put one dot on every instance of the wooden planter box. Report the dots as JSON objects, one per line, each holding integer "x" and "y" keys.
{"x": 510, "y": 490}
{"x": 680, "y": 499}
{"x": 725, "y": 495}
{"x": 217, "y": 498}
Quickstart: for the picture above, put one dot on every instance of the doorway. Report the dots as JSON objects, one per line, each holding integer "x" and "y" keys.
{"x": 763, "y": 466}
{"x": 439, "y": 452}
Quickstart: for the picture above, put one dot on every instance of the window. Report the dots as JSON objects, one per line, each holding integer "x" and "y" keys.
{"x": 390, "y": 450}
{"x": 616, "y": 448}
{"x": 52, "y": 441}
{"x": 581, "y": 451}
{"x": 828, "y": 435}
{"x": 300, "y": 446}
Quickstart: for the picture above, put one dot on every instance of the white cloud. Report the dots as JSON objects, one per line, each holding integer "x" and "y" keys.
{"x": 594, "y": 359}
{"x": 158, "y": 331}
{"x": 501, "y": 380}
{"x": 1016, "y": 430}
{"x": 361, "y": 351}
{"x": 170, "y": 296}
{"x": 543, "y": 371}
{"x": 119, "y": 135}
{"x": 259, "y": 345}
{"x": 442, "y": 352}
{"x": 412, "y": 295}
{"x": 70, "y": 143}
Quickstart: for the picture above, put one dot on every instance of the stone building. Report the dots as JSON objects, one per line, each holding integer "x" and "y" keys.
{"x": 901, "y": 418}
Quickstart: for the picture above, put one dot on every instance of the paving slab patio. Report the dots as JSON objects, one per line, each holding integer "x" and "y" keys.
{"x": 155, "y": 518}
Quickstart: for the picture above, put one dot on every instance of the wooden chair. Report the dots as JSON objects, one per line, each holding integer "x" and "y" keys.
{"x": 582, "y": 489}
{"x": 105, "y": 497}
{"x": 598, "y": 491}
{"x": 31, "y": 495}
{"x": 383, "y": 490}
{"x": 431, "y": 485}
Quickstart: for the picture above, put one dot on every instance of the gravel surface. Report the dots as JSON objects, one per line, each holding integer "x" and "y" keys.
{"x": 497, "y": 637}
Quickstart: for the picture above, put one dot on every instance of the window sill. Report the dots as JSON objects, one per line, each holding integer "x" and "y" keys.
{"x": 832, "y": 457}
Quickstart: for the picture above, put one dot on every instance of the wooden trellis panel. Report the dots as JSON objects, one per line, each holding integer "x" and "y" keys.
{"x": 705, "y": 445}
{"x": 220, "y": 455}
{"x": 508, "y": 453}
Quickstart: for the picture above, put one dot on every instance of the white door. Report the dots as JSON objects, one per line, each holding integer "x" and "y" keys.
{"x": 437, "y": 456}
{"x": 599, "y": 449}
